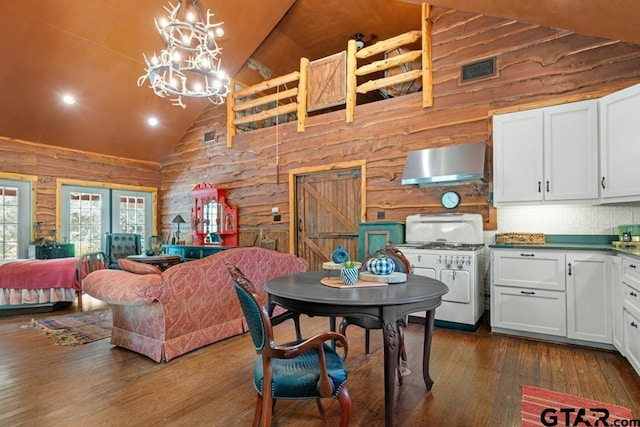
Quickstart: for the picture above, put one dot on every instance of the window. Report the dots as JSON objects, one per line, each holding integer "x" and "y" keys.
{"x": 15, "y": 218}
{"x": 88, "y": 213}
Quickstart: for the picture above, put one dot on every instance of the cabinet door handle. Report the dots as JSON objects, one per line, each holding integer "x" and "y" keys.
{"x": 539, "y": 186}
{"x": 569, "y": 269}
{"x": 632, "y": 266}
{"x": 527, "y": 292}
{"x": 634, "y": 324}
{"x": 602, "y": 183}
{"x": 531, "y": 255}
{"x": 633, "y": 294}
{"x": 547, "y": 186}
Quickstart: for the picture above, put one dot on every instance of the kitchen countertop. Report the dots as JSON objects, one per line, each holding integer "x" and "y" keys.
{"x": 593, "y": 242}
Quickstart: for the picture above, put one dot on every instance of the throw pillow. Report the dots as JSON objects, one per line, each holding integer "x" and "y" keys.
{"x": 138, "y": 267}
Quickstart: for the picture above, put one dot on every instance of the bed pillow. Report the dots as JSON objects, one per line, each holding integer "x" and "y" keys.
{"x": 138, "y": 267}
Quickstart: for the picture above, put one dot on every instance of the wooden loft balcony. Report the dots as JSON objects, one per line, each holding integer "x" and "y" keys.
{"x": 332, "y": 81}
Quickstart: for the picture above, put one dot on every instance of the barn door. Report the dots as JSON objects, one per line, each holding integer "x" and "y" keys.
{"x": 328, "y": 210}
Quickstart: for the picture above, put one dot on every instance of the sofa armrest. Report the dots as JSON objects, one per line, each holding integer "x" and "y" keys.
{"x": 123, "y": 288}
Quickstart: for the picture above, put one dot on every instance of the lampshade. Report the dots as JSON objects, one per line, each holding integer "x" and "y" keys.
{"x": 178, "y": 219}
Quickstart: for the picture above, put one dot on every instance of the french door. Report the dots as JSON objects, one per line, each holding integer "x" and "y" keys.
{"x": 87, "y": 213}
{"x": 15, "y": 218}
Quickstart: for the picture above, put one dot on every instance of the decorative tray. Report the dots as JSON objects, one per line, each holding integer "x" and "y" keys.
{"x": 395, "y": 277}
{"x": 336, "y": 282}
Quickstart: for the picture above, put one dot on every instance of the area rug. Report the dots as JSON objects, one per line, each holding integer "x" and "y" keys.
{"x": 541, "y": 407}
{"x": 77, "y": 328}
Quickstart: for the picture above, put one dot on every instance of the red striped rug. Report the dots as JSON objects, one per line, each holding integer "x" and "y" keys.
{"x": 541, "y": 407}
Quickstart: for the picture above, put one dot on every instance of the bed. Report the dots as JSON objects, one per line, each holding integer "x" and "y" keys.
{"x": 38, "y": 283}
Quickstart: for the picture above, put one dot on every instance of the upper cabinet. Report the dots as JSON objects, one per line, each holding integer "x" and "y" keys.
{"x": 619, "y": 145}
{"x": 547, "y": 154}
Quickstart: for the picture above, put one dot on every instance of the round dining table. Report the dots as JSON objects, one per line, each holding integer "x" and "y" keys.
{"x": 386, "y": 304}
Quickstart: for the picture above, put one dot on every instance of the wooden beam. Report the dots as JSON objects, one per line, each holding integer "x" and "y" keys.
{"x": 274, "y": 97}
{"x": 391, "y": 62}
{"x": 427, "y": 68}
{"x": 352, "y": 81}
{"x": 231, "y": 115}
{"x": 303, "y": 83}
{"x": 266, "y": 114}
{"x": 388, "y": 44}
{"x": 389, "y": 81}
{"x": 269, "y": 84}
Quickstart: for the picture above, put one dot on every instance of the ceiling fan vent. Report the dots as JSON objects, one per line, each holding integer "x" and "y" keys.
{"x": 478, "y": 70}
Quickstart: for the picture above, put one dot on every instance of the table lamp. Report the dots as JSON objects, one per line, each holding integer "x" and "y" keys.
{"x": 178, "y": 220}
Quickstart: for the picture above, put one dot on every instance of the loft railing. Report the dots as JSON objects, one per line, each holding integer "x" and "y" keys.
{"x": 242, "y": 104}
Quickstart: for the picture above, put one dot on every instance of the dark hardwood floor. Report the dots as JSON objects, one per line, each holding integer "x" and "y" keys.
{"x": 478, "y": 378}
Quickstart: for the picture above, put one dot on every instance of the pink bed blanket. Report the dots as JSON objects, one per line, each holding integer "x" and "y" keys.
{"x": 40, "y": 274}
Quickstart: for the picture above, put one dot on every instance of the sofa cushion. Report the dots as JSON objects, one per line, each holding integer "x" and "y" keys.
{"x": 138, "y": 267}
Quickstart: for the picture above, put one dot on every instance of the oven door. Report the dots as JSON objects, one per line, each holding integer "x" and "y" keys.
{"x": 421, "y": 264}
{"x": 459, "y": 283}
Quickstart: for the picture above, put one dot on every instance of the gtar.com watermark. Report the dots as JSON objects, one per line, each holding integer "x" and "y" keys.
{"x": 584, "y": 417}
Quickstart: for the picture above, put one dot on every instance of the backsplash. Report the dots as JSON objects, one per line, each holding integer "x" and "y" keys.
{"x": 564, "y": 219}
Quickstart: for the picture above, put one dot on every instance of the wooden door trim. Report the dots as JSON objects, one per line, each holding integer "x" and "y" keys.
{"x": 308, "y": 170}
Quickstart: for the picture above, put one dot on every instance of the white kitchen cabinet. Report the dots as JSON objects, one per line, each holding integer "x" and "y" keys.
{"x": 619, "y": 130}
{"x": 632, "y": 338}
{"x": 529, "y": 310}
{"x": 528, "y": 291}
{"x": 631, "y": 291}
{"x": 589, "y": 311}
{"x": 617, "y": 304}
{"x": 524, "y": 268}
{"x": 552, "y": 292}
{"x": 547, "y": 155}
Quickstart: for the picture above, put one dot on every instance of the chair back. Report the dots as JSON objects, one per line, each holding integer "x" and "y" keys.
{"x": 121, "y": 245}
{"x": 90, "y": 262}
{"x": 256, "y": 315}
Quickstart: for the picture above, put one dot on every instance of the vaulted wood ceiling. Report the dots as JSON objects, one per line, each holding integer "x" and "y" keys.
{"x": 94, "y": 49}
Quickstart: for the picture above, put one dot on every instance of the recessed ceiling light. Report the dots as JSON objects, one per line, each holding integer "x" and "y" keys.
{"x": 152, "y": 121}
{"x": 68, "y": 99}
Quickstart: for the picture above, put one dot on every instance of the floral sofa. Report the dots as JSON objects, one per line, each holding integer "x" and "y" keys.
{"x": 166, "y": 314}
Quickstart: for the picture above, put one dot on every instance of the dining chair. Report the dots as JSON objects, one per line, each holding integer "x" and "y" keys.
{"x": 87, "y": 263}
{"x": 304, "y": 369}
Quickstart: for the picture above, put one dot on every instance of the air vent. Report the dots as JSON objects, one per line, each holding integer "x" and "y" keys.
{"x": 210, "y": 136}
{"x": 479, "y": 70}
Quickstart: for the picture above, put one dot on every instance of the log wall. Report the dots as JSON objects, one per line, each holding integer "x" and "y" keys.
{"x": 49, "y": 163}
{"x": 534, "y": 65}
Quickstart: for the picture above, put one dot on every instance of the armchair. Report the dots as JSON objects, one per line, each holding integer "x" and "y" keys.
{"x": 307, "y": 369}
{"x": 121, "y": 245}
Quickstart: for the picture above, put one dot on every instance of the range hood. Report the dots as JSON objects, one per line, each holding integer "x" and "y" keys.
{"x": 451, "y": 165}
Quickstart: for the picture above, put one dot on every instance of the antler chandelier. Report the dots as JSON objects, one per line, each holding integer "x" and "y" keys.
{"x": 190, "y": 65}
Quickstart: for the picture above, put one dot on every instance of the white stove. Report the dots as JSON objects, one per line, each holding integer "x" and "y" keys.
{"x": 449, "y": 248}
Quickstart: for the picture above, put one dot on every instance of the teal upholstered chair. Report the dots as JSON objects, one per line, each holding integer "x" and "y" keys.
{"x": 121, "y": 245}
{"x": 307, "y": 369}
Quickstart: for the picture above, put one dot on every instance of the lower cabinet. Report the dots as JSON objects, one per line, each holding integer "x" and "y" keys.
{"x": 54, "y": 250}
{"x": 631, "y": 310}
{"x": 589, "y": 311}
{"x": 531, "y": 310}
{"x": 632, "y": 338}
{"x": 376, "y": 235}
{"x": 553, "y": 293}
{"x": 190, "y": 253}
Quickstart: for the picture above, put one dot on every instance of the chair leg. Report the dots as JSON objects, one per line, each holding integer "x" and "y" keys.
{"x": 320, "y": 408}
{"x": 345, "y": 404}
{"x": 267, "y": 410}
{"x": 256, "y": 416}
{"x": 79, "y": 294}
{"x": 367, "y": 340}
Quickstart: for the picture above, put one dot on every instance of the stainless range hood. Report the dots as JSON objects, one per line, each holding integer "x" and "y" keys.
{"x": 452, "y": 165}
